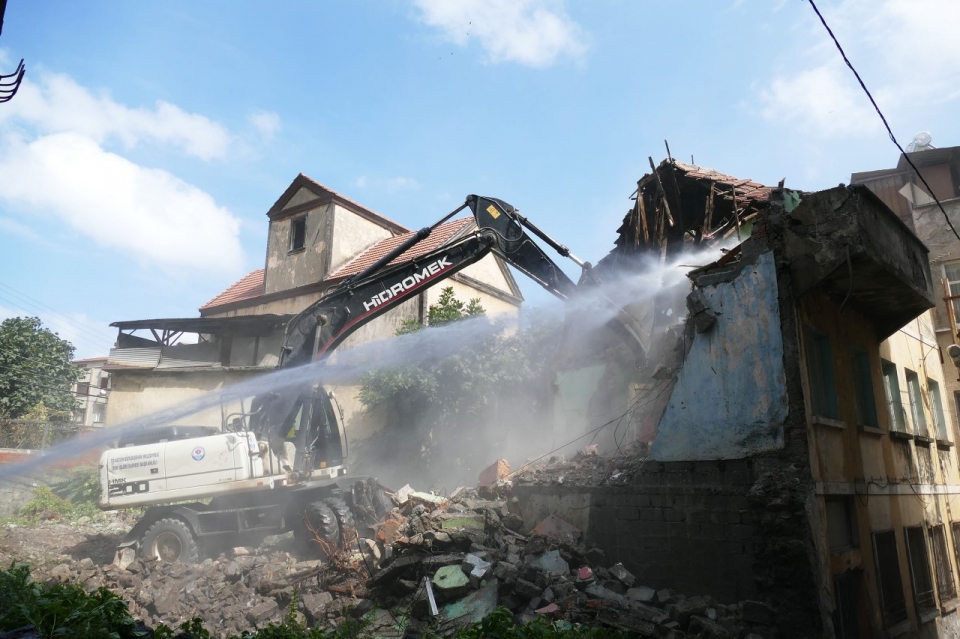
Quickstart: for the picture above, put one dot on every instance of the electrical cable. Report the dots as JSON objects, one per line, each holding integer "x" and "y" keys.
{"x": 94, "y": 329}
{"x": 883, "y": 119}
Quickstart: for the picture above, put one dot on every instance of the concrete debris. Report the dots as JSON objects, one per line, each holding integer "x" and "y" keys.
{"x": 587, "y": 467}
{"x": 499, "y": 469}
{"x": 553, "y": 526}
{"x": 437, "y": 562}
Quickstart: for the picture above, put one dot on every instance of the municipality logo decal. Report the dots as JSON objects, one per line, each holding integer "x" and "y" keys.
{"x": 198, "y": 453}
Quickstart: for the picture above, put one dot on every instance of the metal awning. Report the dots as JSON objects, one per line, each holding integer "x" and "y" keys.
{"x": 243, "y": 325}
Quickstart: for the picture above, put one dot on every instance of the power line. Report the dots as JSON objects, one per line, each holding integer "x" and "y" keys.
{"x": 880, "y": 113}
{"x": 93, "y": 342}
{"x": 95, "y": 329}
{"x": 81, "y": 332}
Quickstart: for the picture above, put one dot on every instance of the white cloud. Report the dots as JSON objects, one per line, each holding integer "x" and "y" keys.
{"x": 145, "y": 213}
{"x": 266, "y": 122}
{"x": 531, "y": 32}
{"x": 57, "y": 104}
{"x": 389, "y": 185}
{"x": 906, "y": 51}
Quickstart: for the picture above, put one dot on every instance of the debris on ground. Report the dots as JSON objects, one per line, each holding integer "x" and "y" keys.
{"x": 432, "y": 561}
{"x": 587, "y": 467}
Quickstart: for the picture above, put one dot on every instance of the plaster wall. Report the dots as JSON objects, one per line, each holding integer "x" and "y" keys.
{"x": 351, "y": 235}
{"x": 138, "y": 393}
{"x": 730, "y": 398}
{"x": 287, "y": 268}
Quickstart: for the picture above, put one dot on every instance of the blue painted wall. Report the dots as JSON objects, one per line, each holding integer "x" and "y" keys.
{"x": 730, "y": 399}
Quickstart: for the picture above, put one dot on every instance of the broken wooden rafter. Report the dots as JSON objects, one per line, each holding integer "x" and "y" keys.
{"x": 663, "y": 192}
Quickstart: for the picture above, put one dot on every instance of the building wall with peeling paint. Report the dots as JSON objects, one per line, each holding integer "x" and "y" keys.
{"x": 730, "y": 397}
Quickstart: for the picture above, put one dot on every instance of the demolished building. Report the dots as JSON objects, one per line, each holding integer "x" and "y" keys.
{"x": 769, "y": 467}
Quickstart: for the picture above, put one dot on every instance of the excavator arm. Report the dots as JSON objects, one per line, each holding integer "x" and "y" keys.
{"x": 321, "y": 327}
{"x": 317, "y": 330}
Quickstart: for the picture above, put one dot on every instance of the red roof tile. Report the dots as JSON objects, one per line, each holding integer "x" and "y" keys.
{"x": 251, "y": 285}
{"x": 440, "y": 236}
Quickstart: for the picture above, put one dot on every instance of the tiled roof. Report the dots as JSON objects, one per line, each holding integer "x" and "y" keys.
{"x": 252, "y": 286}
{"x": 248, "y": 287}
{"x": 89, "y": 360}
{"x": 746, "y": 189}
{"x": 440, "y": 236}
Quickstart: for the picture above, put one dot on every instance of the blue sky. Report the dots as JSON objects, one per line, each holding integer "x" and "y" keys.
{"x": 149, "y": 139}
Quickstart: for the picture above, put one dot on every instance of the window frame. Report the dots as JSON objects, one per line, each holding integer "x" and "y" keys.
{"x": 936, "y": 411}
{"x": 943, "y": 570}
{"x": 915, "y": 395}
{"x": 894, "y": 396}
{"x": 951, "y": 296}
{"x": 821, "y": 377}
{"x": 866, "y": 398}
{"x": 295, "y": 223}
{"x": 924, "y": 600}
{"x": 893, "y": 602}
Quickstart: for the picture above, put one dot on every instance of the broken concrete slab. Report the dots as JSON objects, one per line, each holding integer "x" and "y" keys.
{"x": 551, "y": 562}
{"x": 623, "y": 575}
{"x": 403, "y": 495}
{"x": 450, "y": 582}
{"x": 642, "y": 594}
{"x": 475, "y": 606}
{"x": 476, "y": 569}
{"x": 462, "y": 520}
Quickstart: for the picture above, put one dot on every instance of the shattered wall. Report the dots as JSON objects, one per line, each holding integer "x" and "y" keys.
{"x": 730, "y": 397}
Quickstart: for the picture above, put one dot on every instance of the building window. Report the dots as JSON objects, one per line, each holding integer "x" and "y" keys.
{"x": 951, "y": 272}
{"x": 888, "y": 574}
{"x": 916, "y": 402}
{"x": 823, "y": 390}
{"x": 298, "y": 233}
{"x": 945, "y": 583}
{"x": 936, "y": 409}
{"x": 104, "y": 381}
{"x": 83, "y": 389}
{"x": 891, "y": 387}
{"x": 841, "y": 523}
{"x": 863, "y": 385}
{"x": 920, "y": 577}
{"x": 99, "y": 413}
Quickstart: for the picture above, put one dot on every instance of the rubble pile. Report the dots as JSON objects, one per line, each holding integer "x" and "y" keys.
{"x": 450, "y": 561}
{"x": 586, "y": 468}
{"x": 432, "y": 561}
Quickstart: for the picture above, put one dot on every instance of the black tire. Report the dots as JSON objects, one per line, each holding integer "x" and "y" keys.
{"x": 170, "y": 540}
{"x": 348, "y": 525}
{"x": 322, "y": 519}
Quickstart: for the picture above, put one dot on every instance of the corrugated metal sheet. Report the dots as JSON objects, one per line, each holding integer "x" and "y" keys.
{"x": 189, "y": 356}
{"x": 133, "y": 357}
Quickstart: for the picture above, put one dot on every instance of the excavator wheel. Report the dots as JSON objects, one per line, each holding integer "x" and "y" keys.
{"x": 348, "y": 524}
{"x": 322, "y": 519}
{"x": 170, "y": 540}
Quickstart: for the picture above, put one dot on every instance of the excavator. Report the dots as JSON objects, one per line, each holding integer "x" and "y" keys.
{"x": 277, "y": 464}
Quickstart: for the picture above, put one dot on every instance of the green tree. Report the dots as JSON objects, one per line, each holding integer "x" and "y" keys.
{"x": 36, "y": 373}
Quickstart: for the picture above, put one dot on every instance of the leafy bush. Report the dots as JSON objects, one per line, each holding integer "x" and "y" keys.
{"x": 45, "y": 502}
{"x": 62, "y": 610}
{"x": 81, "y": 487}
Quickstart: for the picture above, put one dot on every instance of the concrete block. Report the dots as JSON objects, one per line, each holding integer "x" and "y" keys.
{"x": 476, "y": 569}
{"x": 642, "y": 594}
{"x": 262, "y": 612}
{"x": 622, "y": 575}
{"x": 450, "y": 581}
{"x": 499, "y": 469}
{"x": 475, "y": 606}
{"x": 552, "y": 562}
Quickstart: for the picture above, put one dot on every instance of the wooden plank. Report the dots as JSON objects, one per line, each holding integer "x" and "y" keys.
{"x": 643, "y": 215}
{"x": 736, "y": 213}
{"x": 663, "y": 193}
